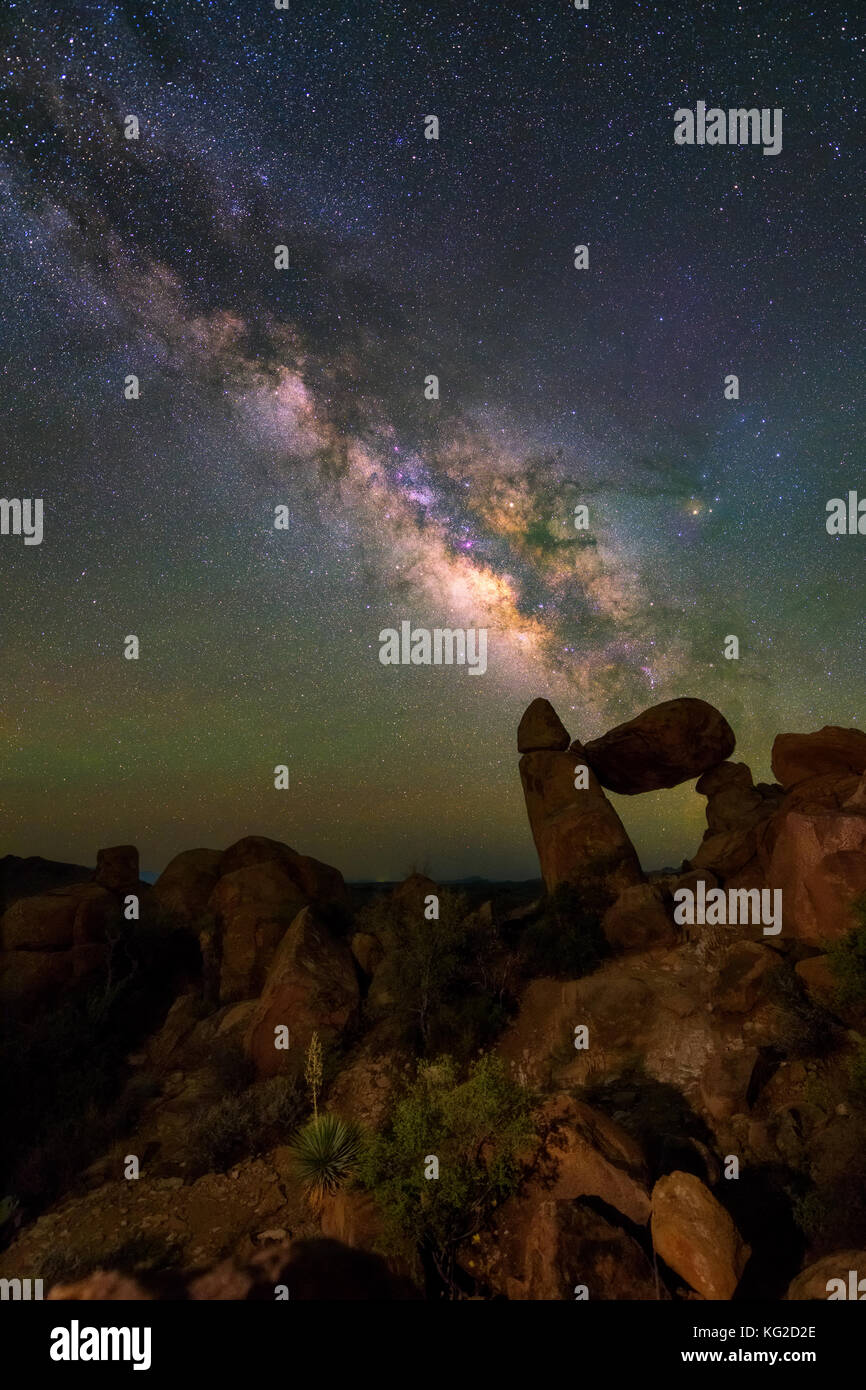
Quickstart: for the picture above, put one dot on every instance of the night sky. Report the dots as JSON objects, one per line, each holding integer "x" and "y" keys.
{"x": 305, "y": 387}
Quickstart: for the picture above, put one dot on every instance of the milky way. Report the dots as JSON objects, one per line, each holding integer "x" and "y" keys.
{"x": 305, "y": 388}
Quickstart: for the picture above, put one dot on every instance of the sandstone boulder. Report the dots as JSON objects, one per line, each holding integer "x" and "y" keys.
{"x": 254, "y": 907}
{"x": 186, "y": 884}
{"x": 577, "y": 833}
{"x": 818, "y": 859}
{"x": 311, "y": 987}
{"x": 696, "y": 1237}
{"x": 829, "y": 750}
{"x": 667, "y": 744}
{"x": 584, "y": 1153}
{"x": 811, "y": 1283}
{"x": 733, "y": 800}
{"x": 317, "y": 882}
{"x": 541, "y": 728}
{"x": 542, "y": 1249}
{"x": 117, "y": 868}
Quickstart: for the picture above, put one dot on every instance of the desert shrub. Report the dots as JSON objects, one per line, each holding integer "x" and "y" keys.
{"x": 804, "y": 1028}
{"x": 476, "y": 1128}
{"x": 241, "y": 1126}
{"x": 448, "y": 981}
{"x": 847, "y": 961}
{"x": 325, "y": 1154}
{"x": 566, "y": 940}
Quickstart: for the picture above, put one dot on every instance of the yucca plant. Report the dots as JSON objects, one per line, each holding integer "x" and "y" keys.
{"x": 325, "y": 1154}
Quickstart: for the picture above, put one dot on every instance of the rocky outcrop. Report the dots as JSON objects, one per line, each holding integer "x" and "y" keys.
{"x": 584, "y": 1153}
{"x": 816, "y": 1281}
{"x": 117, "y": 869}
{"x": 639, "y": 918}
{"x": 311, "y": 986}
{"x": 696, "y": 1237}
{"x": 315, "y": 881}
{"x": 830, "y": 750}
{"x": 550, "y": 1249}
{"x": 186, "y": 883}
{"x": 50, "y": 940}
{"x": 667, "y": 744}
{"x": 24, "y": 878}
{"x": 541, "y": 729}
{"x": 577, "y": 833}
{"x": 254, "y": 906}
{"x": 818, "y": 860}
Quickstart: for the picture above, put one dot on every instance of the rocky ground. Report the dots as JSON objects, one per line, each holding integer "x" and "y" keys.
{"x": 696, "y": 1089}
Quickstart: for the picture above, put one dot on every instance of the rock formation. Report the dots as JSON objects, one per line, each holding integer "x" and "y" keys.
{"x": 667, "y": 744}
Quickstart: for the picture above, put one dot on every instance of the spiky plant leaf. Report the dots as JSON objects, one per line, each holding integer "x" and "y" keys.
{"x": 325, "y": 1154}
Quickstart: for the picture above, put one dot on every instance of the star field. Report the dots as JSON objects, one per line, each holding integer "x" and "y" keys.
{"x": 305, "y": 388}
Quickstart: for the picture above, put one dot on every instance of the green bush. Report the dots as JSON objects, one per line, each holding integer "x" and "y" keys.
{"x": 847, "y": 960}
{"x": 241, "y": 1126}
{"x": 476, "y": 1128}
{"x": 447, "y": 980}
{"x": 325, "y": 1154}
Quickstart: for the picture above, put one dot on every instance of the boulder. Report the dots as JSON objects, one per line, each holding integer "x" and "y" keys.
{"x": 186, "y": 884}
{"x": 830, "y": 791}
{"x": 541, "y": 728}
{"x": 54, "y": 938}
{"x": 818, "y": 859}
{"x": 638, "y": 919}
{"x": 584, "y": 1153}
{"x": 117, "y": 868}
{"x": 317, "y": 882}
{"x": 542, "y": 1249}
{"x": 811, "y": 1283}
{"x": 577, "y": 833}
{"x": 696, "y": 1237}
{"x": 667, "y": 744}
{"x": 311, "y": 987}
{"x": 254, "y": 908}
{"x": 829, "y": 750}
{"x": 733, "y": 800}
{"x": 726, "y": 1081}
{"x": 727, "y": 852}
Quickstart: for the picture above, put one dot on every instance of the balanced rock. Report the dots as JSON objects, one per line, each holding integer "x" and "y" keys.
{"x": 696, "y": 1237}
{"x": 311, "y": 987}
{"x": 829, "y": 750}
{"x": 577, "y": 833}
{"x": 541, "y": 728}
{"x": 667, "y": 744}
